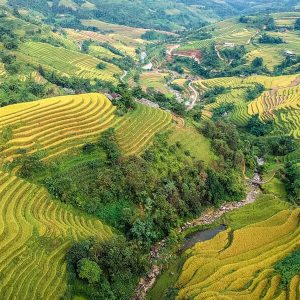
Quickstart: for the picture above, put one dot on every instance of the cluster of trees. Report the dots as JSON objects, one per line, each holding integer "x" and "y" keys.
{"x": 289, "y": 62}
{"x": 259, "y": 128}
{"x": 265, "y": 22}
{"x": 14, "y": 91}
{"x": 125, "y": 102}
{"x": 164, "y": 101}
{"x": 210, "y": 95}
{"x": 297, "y": 24}
{"x": 9, "y": 39}
{"x": 292, "y": 181}
{"x": 12, "y": 66}
{"x": 275, "y": 146}
{"x": 234, "y": 55}
{"x": 233, "y": 155}
{"x": 254, "y": 91}
{"x": 152, "y": 35}
{"x": 288, "y": 267}
{"x": 105, "y": 271}
{"x": 147, "y": 196}
{"x": 77, "y": 84}
{"x": 222, "y": 110}
{"x": 124, "y": 62}
{"x": 269, "y": 39}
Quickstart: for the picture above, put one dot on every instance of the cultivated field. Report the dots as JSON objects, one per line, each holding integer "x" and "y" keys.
{"x": 137, "y": 128}
{"x": 67, "y": 62}
{"x": 35, "y": 235}
{"x": 280, "y": 101}
{"x": 55, "y": 126}
{"x": 228, "y": 31}
{"x": 154, "y": 80}
{"x": 124, "y": 43}
{"x": 239, "y": 264}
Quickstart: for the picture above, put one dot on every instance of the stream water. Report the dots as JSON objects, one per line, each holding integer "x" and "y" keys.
{"x": 201, "y": 236}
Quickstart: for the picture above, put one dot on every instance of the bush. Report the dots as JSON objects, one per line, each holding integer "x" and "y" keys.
{"x": 88, "y": 270}
{"x": 254, "y": 92}
{"x": 268, "y": 39}
{"x": 256, "y": 127}
{"x": 288, "y": 267}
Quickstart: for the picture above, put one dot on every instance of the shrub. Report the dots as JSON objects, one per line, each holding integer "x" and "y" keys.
{"x": 288, "y": 267}
{"x": 89, "y": 270}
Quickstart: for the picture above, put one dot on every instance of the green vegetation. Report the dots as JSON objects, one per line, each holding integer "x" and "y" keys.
{"x": 292, "y": 173}
{"x": 144, "y": 170}
{"x": 254, "y": 92}
{"x": 288, "y": 267}
{"x": 256, "y": 127}
{"x": 268, "y": 39}
{"x": 105, "y": 271}
{"x": 263, "y": 208}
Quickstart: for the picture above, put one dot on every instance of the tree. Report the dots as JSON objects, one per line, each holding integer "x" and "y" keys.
{"x": 89, "y": 270}
{"x": 256, "y": 127}
{"x": 257, "y": 62}
{"x": 297, "y": 24}
{"x": 269, "y": 39}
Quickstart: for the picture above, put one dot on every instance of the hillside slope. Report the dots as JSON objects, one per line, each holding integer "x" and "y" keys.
{"x": 35, "y": 235}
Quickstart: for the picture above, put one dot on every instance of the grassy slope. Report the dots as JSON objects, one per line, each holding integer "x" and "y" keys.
{"x": 194, "y": 142}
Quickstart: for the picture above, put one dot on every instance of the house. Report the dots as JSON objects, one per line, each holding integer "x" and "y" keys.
{"x": 289, "y": 53}
{"x": 148, "y": 67}
{"x": 229, "y": 45}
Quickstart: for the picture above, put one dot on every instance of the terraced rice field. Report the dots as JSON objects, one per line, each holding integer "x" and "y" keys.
{"x": 154, "y": 80}
{"x": 275, "y": 55}
{"x": 239, "y": 264}
{"x": 56, "y": 125}
{"x": 53, "y": 127}
{"x": 229, "y": 31}
{"x": 280, "y": 102}
{"x": 35, "y": 235}
{"x": 136, "y": 129}
{"x": 124, "y": 43}
{"x": 102, "y": 52}
{"x": 67, "y": 62}
{"x": 2, "y": 69}
{"x": 282, "y": 105}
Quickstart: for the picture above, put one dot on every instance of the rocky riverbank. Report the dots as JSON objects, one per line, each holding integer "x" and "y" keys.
{"x": 207, "y": 218}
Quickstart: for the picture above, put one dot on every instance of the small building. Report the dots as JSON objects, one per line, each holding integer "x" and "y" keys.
{"x": 229, "y": 45}
{"x": 113, "y": 96}
{"x": 148, "y": 67}
{"x": 289, "y": 53}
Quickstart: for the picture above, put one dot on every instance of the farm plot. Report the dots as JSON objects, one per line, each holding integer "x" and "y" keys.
{"x": 154, "y": 80}
{"x": 282, "y": 105}
{"x": 68, "y": 62}
{"x": 280, "y": 101}
{"x": 56, "y": 125}
{"x": 35, "y": 235}
{"x": 228, "y": 31}
{"x": 137, "y": 129}
{"x": 125, "y": 44}
{"x": 2, "y": 70}
{"x": 240, "y": 264}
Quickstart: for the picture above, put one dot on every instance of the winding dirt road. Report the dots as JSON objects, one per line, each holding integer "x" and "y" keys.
{"x": 123, "y": 76}
{"x": 194, "y": 96}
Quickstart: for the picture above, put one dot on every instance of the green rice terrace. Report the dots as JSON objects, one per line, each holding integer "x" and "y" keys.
{"x": 149, "y": 150}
